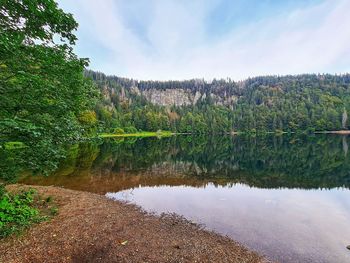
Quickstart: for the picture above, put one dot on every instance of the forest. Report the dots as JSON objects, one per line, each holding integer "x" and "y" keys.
{"x": 300, "y": 103}
{"x": 50, "y": 99}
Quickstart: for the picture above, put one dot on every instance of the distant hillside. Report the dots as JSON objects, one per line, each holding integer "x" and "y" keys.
{"x": 259, "y": 104}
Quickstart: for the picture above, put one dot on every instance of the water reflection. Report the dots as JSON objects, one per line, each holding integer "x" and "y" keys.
{"x": 264, "y": 162}
{"x": 287, "y": 225}
{"x": 286, "y": 196}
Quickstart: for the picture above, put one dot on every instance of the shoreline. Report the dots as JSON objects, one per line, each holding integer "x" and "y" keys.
{"x": 341, "y": 132}
{"x": 138, "y": 134}
{"x": 90, "y": 227}
{"x": 236, "y": 133}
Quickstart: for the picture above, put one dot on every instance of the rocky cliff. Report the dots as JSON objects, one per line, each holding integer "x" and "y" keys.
{"x": 180, "y": 96}
{"x": 169, "y": 93}
{"x": 183, "y": 97}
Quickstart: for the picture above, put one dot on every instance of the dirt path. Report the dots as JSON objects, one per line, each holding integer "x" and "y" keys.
{"x": 91, "y": 228}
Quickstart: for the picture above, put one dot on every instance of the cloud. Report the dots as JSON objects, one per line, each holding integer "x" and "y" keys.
{"x": 170, "y": 40}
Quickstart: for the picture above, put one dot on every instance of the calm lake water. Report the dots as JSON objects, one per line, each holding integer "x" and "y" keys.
{"x": 286, "y": 197}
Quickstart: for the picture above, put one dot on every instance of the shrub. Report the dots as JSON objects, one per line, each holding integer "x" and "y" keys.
{"x": 17, "y": 211}
{"x": 130, "y": 129}
{"x": 88, "y": 118}
{"x": 118, "y": 131}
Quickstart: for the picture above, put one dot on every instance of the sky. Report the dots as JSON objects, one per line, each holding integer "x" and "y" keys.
{"x": 182, "y": 39}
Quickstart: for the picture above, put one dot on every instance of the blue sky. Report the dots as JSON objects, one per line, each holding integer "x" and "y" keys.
{"x": 181, "y": 39}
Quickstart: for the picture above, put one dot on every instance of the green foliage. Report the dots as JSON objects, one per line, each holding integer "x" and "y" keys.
{"x": 256, "y": 105}
{"x": 14, "y": 145}
{"x": 45, "y": 100}
{"x": 88, "y": 118}
{"x": 42, "y": 87}
{"x": 17, "y": 212}
{"x": 118, "y": 131}
{"x": 130, "y": 129}
{"x": 136, "y": 134}
{"x": 36, "y": 19}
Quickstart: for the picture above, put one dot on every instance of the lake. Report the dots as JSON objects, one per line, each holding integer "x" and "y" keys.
{"x": 286, "y": 197}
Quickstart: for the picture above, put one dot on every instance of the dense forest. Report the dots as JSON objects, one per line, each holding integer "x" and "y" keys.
{"x": 307, "y": 102}
{"x": 45, "y": 100}
{"x": 49, "y": 99}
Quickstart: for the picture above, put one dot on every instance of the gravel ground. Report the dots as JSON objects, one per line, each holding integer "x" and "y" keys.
{"x": 92, "y": 228}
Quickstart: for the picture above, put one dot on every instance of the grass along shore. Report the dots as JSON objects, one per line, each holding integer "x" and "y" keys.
{"x": 255, "y": 133}
{"x": 137, "y": 134}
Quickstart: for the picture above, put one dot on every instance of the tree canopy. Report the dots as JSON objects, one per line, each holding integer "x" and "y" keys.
{"x": 306, "y": 102}
{"x": 42, "y": 86}
{"x": 43, "y": 92}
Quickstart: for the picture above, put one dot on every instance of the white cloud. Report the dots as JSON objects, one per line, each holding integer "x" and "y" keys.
{"x": 315, "y": 39}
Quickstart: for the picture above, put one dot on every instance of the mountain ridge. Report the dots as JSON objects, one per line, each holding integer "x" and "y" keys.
{"x": 289, "y": 103}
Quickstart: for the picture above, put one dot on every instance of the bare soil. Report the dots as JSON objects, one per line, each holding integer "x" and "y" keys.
{"x": 92, "y": 228}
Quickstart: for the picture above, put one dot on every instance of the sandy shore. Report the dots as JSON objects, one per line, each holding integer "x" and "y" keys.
{"x": 92, "y": 228}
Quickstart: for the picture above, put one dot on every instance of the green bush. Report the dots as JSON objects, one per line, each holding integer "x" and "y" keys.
{"x": 17, "y": 212}
{"x": 118, "y": 131}
{"x": 130, "y": 129}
